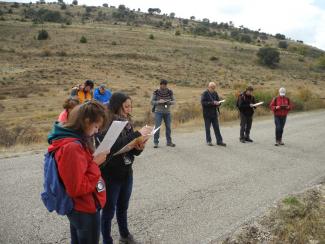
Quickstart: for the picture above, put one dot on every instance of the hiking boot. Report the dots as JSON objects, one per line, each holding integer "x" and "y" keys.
{"x": 209, "y": 144}
{"x": 155, "y": 146}
{"x": 128, "y": 240}
{"x": 222, "y": 144}
{"x": 170, "y": 144}
{"x": 242, "y": 140}
{"x": 248, "y": 139}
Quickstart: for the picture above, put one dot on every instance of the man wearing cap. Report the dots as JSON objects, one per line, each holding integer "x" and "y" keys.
{"x": 280, "y": 106}
{"x": 210, "y": 105}
{"x": 102, "y": 94}
{"x": 246, "y": 109}
{"x": 161, "y": 101}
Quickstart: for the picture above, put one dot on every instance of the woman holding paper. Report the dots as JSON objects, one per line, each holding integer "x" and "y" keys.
{"x": 117, "y": 170}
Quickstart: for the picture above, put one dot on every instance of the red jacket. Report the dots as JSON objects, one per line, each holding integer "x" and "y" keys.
{"x": 79, "y": 174}
{"x": 284, "y": 103}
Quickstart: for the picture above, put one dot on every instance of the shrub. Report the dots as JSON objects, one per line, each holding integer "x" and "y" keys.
{"x": 63, "y": 6}
{"x": 83, "y": 39}
{"x": 283, "y": 44}
{"x": 75, "y": 2}
{"x": 43, "y": 35}
{"x": 46, "y": 53}
{"x": 280, "y": 36}
{"x": 151, "y": 37}
{"x": 245, "y": 38}
{"x": 105, "y": 5}
{"x": 320, "y": 63}
{"x": 61, "y": 53}
{"x": 268, "y": 56}
{"x": 177, "y": 33}
{"x": 114, "y": 43}
{"x": 214, "y": 58}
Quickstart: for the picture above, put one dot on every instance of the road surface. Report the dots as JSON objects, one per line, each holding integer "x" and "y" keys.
{"x": 189, "y": 194}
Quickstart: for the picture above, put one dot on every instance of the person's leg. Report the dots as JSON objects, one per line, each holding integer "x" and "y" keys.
{"x": 123, "y": 205}
{"x": 85, "y": 227}
{"x": 278, "y": 129}
{"x": 158, "y": 119}
{"x": 249, "y": 121}
{"x": 112, "y": 193}
{"x": 167, "y": 121}
{"x": 242, "y": 126}
{"x": 215, "y": 124}
{"x": 207, "y": 124}
{"x": 73, "y": 232}
{"x": 283, "y": 121}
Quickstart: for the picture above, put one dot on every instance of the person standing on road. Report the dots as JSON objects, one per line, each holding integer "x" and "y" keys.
{"x": 161, "y": 101}
{"x": 77, "y": 168}
{"x": 246, "y": 110}
{"x": 280, "y": 106}
{"x": 117, "y": 170}
{"x": 210, "y": 103}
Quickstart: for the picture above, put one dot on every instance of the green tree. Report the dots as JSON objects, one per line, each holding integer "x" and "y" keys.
{"x": 283, "y": 44}
{"x": 268, "y": 56}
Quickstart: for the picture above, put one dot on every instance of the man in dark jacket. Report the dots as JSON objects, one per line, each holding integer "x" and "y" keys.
{"x": 246, "y": 109}
{"x": 210, "y": 104}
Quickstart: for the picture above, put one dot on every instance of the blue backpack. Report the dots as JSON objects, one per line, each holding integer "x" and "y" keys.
{"x": 54, "y": 195}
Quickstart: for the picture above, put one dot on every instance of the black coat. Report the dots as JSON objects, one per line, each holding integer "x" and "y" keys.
{"x": 114, "y": 167}
{"x": 244, "y": 102}
{"x": 209, "y": 108}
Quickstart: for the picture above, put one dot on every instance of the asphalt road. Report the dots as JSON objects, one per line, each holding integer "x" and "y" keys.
{"x": 189, "y": 194}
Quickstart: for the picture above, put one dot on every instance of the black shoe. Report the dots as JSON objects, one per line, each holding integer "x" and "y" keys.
{"x": 155, "y": 146}
{"x": 171, "y": 144}
{"x": 222, "y": 144}
{"x": 248, "y": 139}
{"x": 128, "y": 240}
{"x": 242, "y": 140}
{"x": 209, "y": 144}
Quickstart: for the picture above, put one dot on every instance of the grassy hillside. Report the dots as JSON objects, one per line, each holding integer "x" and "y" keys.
{"x": 36, "y": 76}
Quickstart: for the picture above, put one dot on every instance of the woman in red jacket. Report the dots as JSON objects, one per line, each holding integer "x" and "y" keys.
{"x": 280, "y": 106}
{"x": 79, "y": 171}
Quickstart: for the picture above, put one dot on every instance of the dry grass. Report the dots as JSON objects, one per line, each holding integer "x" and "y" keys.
{"x": 34, "y": 90}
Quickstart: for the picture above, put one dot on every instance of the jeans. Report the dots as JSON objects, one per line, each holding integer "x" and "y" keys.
{"x": 215, "y": 124}
{"x": 245, "y": 125}
{"x": 167, "y": 119}
{"x": 84, "y": 227}
{"x": 118, "y": 197}
{"x": 279, "y": 126}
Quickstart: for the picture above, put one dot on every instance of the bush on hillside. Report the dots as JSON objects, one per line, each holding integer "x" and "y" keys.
{"x": 283, "y": 44}
{"x": 83, "y": 39}
{"x": 268, "y": 56}
{"x": 43, "y": 35}
{"x": 151, "y": 37}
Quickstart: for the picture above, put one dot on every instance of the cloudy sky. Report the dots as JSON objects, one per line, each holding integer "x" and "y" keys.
{"x": 297, "y": 19}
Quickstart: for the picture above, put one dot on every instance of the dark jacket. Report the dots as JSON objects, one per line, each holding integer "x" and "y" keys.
{"x": 244, "y": 102}
{"x": 114, "y": 167}
{"x": 207, "y": 101}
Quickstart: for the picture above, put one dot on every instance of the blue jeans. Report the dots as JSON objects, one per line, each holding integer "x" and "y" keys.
{"x": 215, "y": 124}
{"x": 280, "y": 122}
{"x": 167, "y": 119}
{"x": 118, "y": 197}
{"x": 84, "y": 227}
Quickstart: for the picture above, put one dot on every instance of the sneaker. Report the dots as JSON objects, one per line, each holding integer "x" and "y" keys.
{"x": 222, "y": 144}
{"x": 155, "y": 146}
{"x": 170, "y": 144}
{"x": 128, "y": 240}
{"x": 209, "y": 144}
{"x": 248, "y": 139}
{"x": 242, "y": 140}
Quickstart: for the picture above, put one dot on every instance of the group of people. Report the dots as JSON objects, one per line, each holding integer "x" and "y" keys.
{"x": 246, "y": 104}
{"x": 101, "y": 186}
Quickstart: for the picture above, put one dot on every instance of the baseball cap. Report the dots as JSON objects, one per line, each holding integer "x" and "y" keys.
{"x": 282, "y": 91}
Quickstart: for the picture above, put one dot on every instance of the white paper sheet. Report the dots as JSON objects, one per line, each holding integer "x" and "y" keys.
{"x": 222, "y": 101}
{"x": 111, "y": 136}
{"x": 257, "y": 104}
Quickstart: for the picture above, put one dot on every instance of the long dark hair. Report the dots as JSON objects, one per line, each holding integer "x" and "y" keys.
{"x": 83, "y": 115}
{"x": 115, "y": 107}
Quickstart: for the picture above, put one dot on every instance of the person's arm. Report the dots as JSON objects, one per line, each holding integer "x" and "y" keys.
{"x": 154, "y": 100}
{"x": 172, "y": 99}
{"x": 96, "y": 95}
{"x": 206, "y": 101}
{"x": 272, "y": 105}
{"x": 78, "y": 175}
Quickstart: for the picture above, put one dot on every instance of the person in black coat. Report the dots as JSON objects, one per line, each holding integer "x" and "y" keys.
{"x": 246, "y": 109}
{"x": 210, "y": 105}
{"x": 117, "y": 170}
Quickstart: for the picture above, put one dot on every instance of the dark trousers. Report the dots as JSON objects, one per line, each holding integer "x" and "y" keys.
{"x": 215, "y": 124}
{"x": 159, "y": 117}
{"x": 84, "y": 227}
{"x": 245, "y": 125}
{"x": 118, "y": 197}
{"x": 280, "y": 122}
